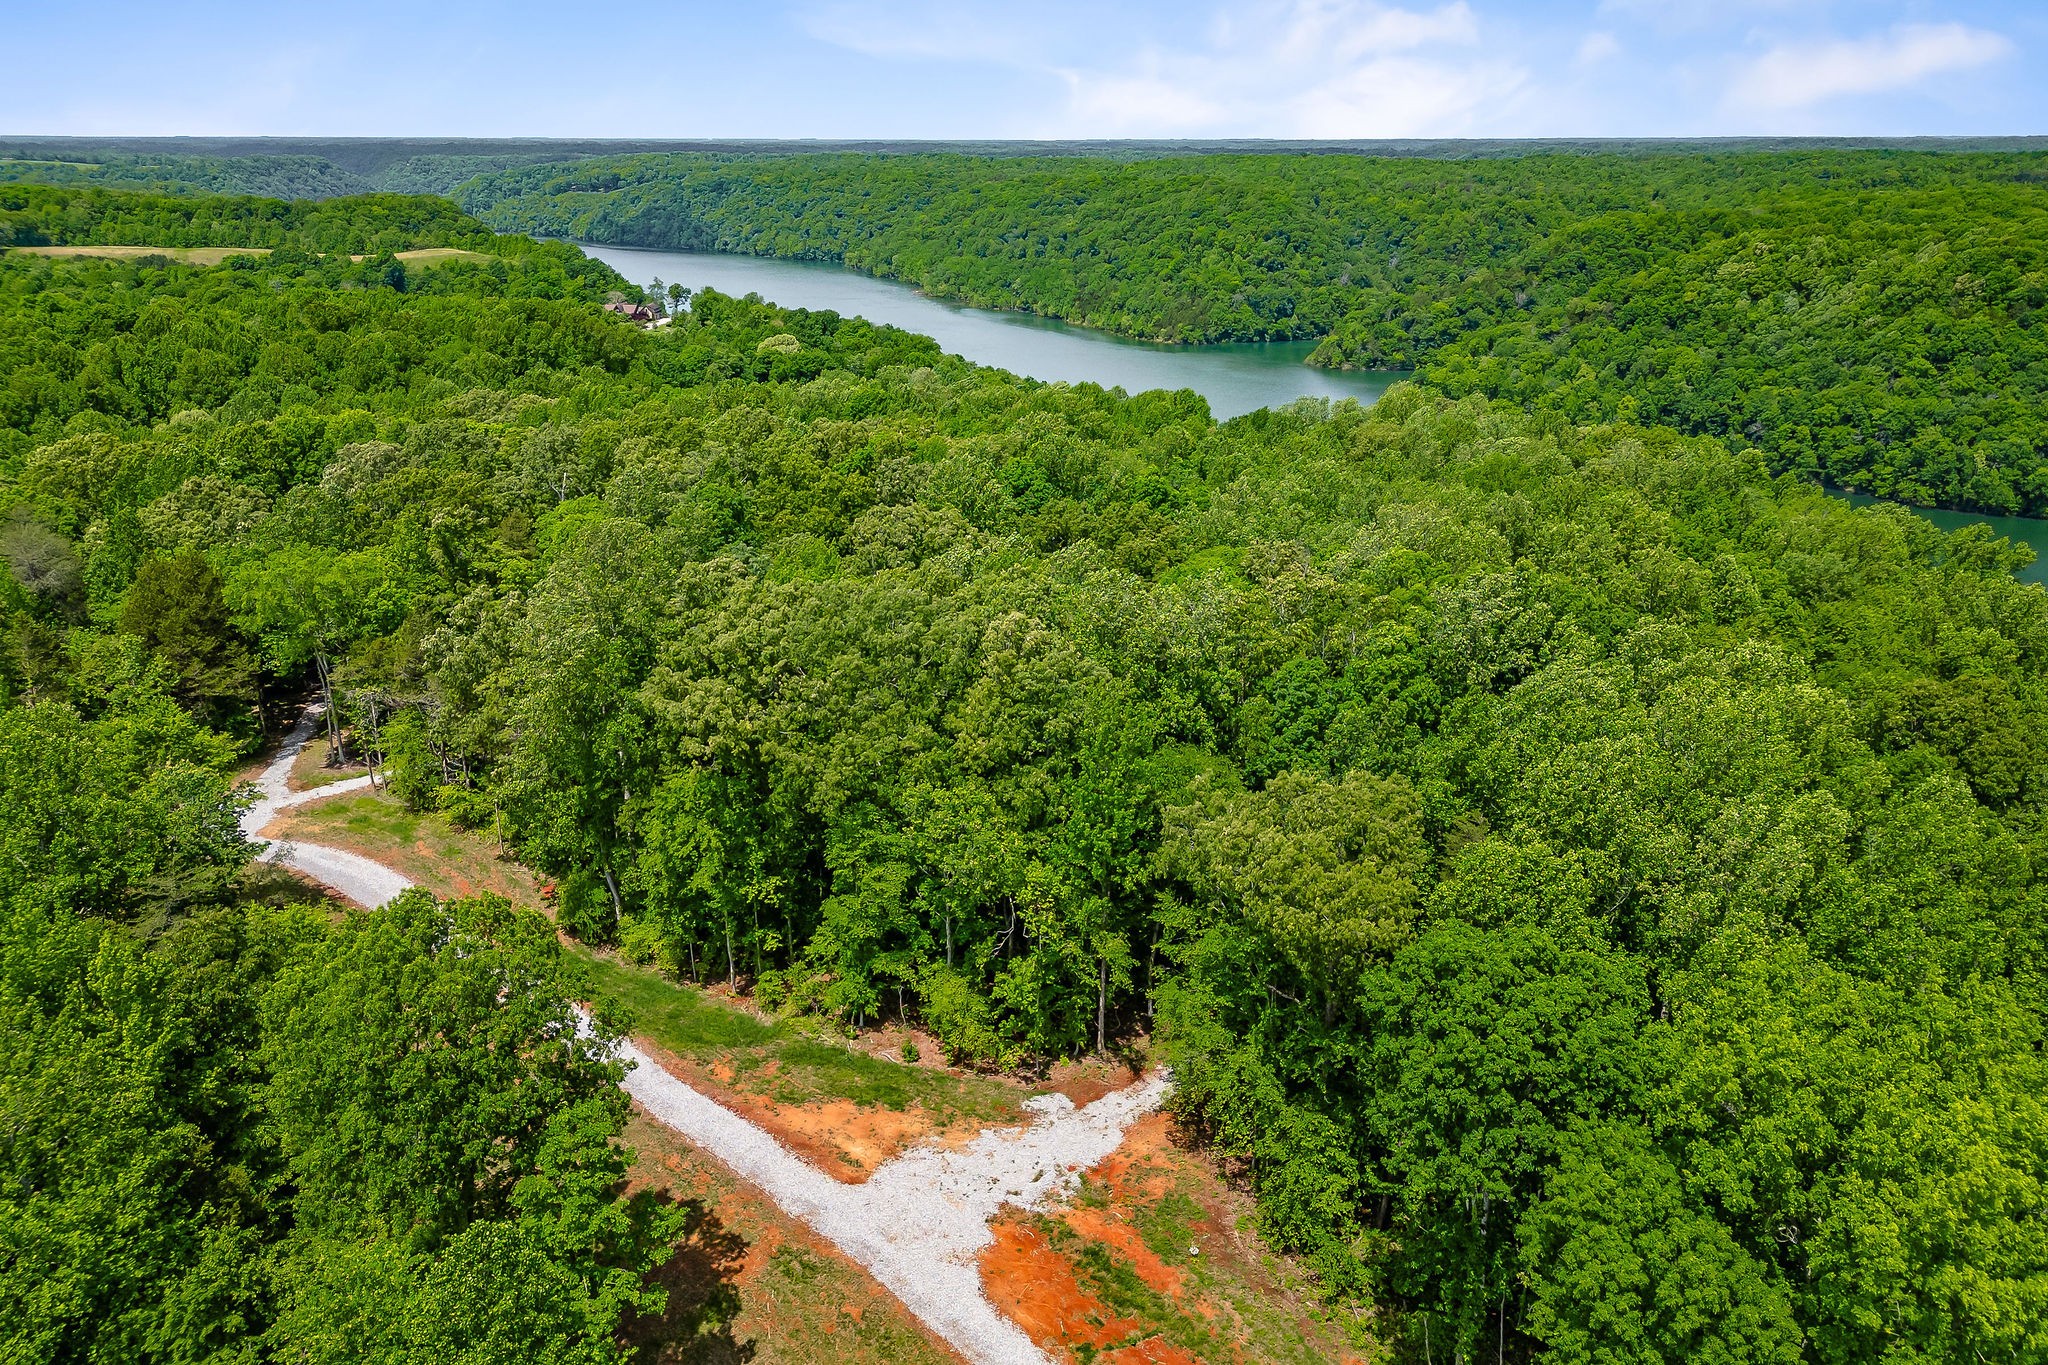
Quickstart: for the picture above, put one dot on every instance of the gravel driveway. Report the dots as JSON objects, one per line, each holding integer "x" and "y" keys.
{"x": 918, "y": 1224}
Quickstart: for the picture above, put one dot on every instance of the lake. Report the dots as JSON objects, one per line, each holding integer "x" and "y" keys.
{"x": 2029, "y": 531}
{"x": 1236, "y": 377}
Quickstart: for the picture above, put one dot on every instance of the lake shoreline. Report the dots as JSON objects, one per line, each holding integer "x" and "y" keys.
{"x": 1233, "y": 377}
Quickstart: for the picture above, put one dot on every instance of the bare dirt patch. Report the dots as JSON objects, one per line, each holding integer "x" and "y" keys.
{"x": 1157, "y": 1259}
{"x": 844, "y": 1139}
{"x": 1088, "y": 1079}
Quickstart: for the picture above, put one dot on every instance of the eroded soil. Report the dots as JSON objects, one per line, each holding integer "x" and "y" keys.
{"x": 1155, "y": 1261}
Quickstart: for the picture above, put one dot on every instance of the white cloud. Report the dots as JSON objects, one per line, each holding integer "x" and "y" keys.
{"x": 1795, "y": 76}
{"x": 1301, "y": 68}
{"x": 1597, "y": 47}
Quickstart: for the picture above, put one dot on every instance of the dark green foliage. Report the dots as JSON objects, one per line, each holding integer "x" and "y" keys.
{"x": 274, "y": 177}
{"x": 37, "y": 215}
{"x": 179, "y": 609}
{"x": 1589, "y": 885}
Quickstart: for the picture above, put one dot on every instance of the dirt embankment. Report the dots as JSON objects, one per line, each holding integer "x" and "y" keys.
{"x": 1154, "y": 1261}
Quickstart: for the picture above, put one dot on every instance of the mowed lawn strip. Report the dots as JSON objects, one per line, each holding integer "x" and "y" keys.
{"x": 425, "y": 257}
{"x": 424, "y": 846}
{"x": 189, "y": 255}
{"x": 789, "y": 1061}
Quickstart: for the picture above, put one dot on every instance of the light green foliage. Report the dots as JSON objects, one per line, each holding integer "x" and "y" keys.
{"x": 115, "y": 815}
{"x": 1323, "y": 870}
{"x": 1624, "y": 1268}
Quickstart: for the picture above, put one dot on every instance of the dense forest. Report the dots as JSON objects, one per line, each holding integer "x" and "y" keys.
{"x": 284, "y": 175}
{"x": 1587, "y": 884}
{"x": 1870, "y": 317}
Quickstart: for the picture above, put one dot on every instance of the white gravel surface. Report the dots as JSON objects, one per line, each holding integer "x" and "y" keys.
{"x": 918, "y": 1224}
{"x": 360, "y": 879}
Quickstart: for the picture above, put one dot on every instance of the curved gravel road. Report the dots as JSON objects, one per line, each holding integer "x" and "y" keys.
{"x": 363, "y": 881}
{"x": 918, "y": 1224}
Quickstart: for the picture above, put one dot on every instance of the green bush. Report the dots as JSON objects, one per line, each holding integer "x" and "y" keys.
{"x": 583, "y": 906}
{"x": 639, "y": 941}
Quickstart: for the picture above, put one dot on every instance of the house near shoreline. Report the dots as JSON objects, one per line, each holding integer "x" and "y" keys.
{"x": 633, "y": 312}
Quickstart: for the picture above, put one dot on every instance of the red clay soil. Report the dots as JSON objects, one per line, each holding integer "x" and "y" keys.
{"x": 1031, "y": 1274}
{"x": 1110, "y": 1229}
{"x": 1085, "y": 1082}
{"x": 1037, "y": 1289}
{"x": 1143, "y": 1168}
{"x": 846, "y": 1141}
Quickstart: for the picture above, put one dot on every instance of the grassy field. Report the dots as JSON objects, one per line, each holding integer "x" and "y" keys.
{"x": 310, "y": 770}
{"x": 423, "y": 257}
{"x": 425, "y": 847}
{"x": 190, "y": 255}
{"x": 437, "y": 255}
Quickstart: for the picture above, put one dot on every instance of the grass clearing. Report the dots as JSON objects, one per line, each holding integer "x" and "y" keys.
{"x": 423, "y": 258}
{"x": 424, "y": 845}
{"x": 189, "y": 255}
{"x": 785, "y": 1061}
{"x": 310, "y": 771}
{"x": 429, "y": 256}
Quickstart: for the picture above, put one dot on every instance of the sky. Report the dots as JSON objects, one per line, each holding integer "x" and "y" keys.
{"x": 1044, "y": 69}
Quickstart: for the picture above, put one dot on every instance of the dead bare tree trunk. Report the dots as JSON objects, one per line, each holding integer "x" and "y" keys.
{"x": 1102, "y": 1005}
{"x": 335, "y": 756}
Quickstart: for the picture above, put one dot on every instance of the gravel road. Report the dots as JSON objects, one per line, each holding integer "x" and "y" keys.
{"x": 917, "y": 1225}
{"x": 363, "y": 881}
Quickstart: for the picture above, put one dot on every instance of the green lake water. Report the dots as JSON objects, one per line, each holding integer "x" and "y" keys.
{"x": 2029, "y": 531}
{"x": 1235, "y": 378}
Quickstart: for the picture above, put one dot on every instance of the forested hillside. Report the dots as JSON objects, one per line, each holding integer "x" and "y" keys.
{"x": 1588, "y": 886}
{"x": 415, "y": 169}
{"x": 39, "y": 215}
{"x": 279, "y": 177}
{"x": 1872, "y": 317}
{"x": 236, "y": 1129}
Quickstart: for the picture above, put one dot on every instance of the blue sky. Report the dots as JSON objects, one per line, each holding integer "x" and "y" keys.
{"x": 1049, "y": 68}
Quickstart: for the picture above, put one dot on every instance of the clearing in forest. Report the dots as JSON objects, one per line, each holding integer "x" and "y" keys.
{"x": 425, "y": 846}
{"x": 189, "y": 255}
{"x": 1016, "y": 1217}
